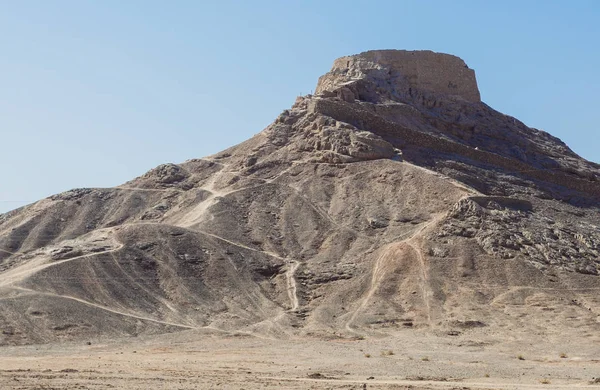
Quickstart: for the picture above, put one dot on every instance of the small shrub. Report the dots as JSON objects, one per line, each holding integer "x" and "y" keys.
{"x": 545, "y": 381}
{"x": 563, "y": 355}
{"x": 521, "y": 357}
{"x": 425, "y": 359}
{"x": 486, "y": 376}
{"x": 388, "y": 352}
{"x": 367, "y": 355}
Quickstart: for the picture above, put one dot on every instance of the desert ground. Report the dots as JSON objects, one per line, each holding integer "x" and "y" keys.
{"x": 410, "y": 359}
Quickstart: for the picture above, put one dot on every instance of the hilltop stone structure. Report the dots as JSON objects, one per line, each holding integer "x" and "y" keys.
{"x": 404, "y": 71}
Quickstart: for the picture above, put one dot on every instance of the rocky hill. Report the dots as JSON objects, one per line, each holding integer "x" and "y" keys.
{"x": 393, "y": 198}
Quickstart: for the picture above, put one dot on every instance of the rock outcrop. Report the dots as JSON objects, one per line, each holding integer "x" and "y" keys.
{"x": 393, "y": 198}
{"x": 424, "y": 101}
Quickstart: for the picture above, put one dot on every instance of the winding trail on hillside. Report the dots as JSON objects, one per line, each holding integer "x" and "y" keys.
{"x": 104, "y": 308}
{"x": 198, "y": 214}
{"x": 272, "y": 254}
{"x": 375, "y": 281}
{"x": 425, "y": 285}
{"x": 378, "y": 272}
{"x": 292, "y": 288}
{"x": 20, "y": 273}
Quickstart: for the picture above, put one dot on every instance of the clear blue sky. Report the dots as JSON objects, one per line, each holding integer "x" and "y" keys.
{"x": 94, "y": 93}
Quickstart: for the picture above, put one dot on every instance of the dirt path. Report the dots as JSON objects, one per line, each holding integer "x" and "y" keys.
{"x": 9, "y": 252}
{"x": 196, "y": 215}
{"x": 454, "y": 182}
{"x": 293, "y": 265}
{"x": 425, "y": 290}
{"x": 378, "y": 273}
{"x": 105, "y": 308}
{"x": 172, "y": 190}
{"x": 20, "y": 273}
{"x": 425, "y": 285}
{"x": 272, "y": 254}
{"x": 292, "y": 288}
{"x": 376, "y": 277}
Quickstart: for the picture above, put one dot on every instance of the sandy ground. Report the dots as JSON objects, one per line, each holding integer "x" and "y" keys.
{"x": 409, "y": 360}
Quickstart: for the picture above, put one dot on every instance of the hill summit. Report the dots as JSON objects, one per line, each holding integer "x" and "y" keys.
{"x": 392, "y": 200}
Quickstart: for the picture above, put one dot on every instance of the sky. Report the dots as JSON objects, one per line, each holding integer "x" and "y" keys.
{"x": 95, "y": 93}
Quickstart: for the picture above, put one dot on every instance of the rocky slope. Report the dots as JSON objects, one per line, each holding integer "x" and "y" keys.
{"x": 391, "y": 199}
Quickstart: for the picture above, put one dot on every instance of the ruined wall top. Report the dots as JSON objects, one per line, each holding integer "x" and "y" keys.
{"x": 423, "y": 70}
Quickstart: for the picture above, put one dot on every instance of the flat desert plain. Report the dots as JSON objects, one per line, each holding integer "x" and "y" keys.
{"x": 409, "y": 359}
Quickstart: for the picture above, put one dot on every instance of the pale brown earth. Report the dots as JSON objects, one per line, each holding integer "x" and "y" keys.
{"x": 392, "y": 210}
{"x": 408, "y": 360}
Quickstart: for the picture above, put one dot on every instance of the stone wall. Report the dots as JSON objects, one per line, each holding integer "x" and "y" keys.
{"x": 422, "y": 70}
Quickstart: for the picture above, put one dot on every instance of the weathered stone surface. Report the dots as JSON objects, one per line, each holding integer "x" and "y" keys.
{"x": 346, "y": 94}
{"x": 421, "y": 70}
{"x": 510, "y": 227}
{"x": 393, "y": 198}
